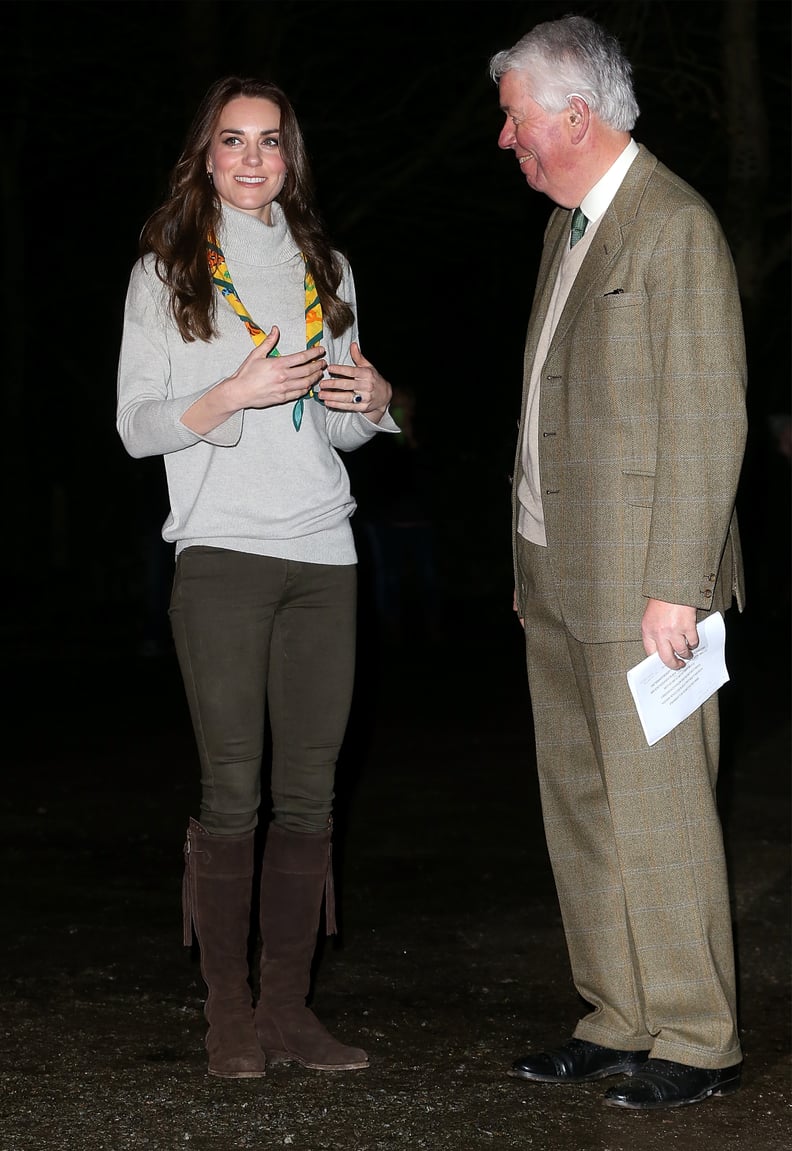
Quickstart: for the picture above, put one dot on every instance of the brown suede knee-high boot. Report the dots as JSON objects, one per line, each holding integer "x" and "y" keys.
{"x": 218, "y": 879}
{"x": 296, "y": 872}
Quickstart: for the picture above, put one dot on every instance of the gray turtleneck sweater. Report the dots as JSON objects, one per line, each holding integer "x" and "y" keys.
{"x": 254, "y": 483}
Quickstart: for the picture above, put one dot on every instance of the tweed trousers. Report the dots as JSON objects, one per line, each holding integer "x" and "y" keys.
{"x": 635, "y": 844}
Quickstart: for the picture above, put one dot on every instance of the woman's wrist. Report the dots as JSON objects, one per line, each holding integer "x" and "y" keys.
{"x": 213, "y": 408}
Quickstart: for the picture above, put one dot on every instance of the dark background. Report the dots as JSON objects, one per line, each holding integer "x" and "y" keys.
{"x": 451, "y": 959}
{"x": 401, "y": 121}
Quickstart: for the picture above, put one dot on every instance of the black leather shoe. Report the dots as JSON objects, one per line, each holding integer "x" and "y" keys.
{"x": 661, "y": 1083}
{"x": 577, "y": 1061}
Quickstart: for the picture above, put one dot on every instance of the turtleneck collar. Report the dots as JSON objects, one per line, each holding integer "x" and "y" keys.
{"x": 247, "y": 240}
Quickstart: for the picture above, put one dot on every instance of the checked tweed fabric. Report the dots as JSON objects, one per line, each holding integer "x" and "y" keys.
{"x": 635, "y": 844}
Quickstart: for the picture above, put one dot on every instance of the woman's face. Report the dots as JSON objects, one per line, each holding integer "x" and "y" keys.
{"x": 244, "y": 157}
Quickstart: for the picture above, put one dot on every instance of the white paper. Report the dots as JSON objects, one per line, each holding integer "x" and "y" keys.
{"x": 663, "y": 697}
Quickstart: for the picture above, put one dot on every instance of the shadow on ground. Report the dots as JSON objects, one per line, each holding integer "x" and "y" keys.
{"x": 451, "y": 959}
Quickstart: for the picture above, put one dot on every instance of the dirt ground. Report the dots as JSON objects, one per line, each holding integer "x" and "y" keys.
{"x": 451, "y": 959}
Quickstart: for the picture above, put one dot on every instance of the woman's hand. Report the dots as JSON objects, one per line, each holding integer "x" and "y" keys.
{"x": 356, "y": 389}
{"x": 260, "y": 381}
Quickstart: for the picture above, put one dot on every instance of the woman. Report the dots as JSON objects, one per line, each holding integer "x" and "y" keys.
{"x": 239, "y": 365}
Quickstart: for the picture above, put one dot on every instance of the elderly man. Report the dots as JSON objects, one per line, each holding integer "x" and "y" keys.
{"x": 631, "y": 442}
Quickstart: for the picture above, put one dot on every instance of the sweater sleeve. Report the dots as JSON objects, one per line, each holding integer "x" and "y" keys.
{"x": 350, "y": 430}
{"x": 148, "y": 416}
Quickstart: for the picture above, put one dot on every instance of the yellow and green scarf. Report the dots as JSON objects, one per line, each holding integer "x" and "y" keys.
{"x": 221, "y": 278}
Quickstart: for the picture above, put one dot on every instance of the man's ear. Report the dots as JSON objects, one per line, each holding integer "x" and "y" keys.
{"x": 579, "y": 117}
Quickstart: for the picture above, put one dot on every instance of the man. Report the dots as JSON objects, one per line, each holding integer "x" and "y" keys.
{"x": 631, "y": 442}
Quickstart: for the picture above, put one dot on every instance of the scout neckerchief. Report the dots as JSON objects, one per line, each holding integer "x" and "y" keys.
{"x": 221, "y": 278}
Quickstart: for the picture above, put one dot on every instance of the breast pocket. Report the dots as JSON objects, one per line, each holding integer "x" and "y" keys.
{"x": 621, "y": 354}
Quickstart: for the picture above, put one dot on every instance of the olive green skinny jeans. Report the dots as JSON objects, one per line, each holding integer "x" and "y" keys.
{"x": 257, "y": 637}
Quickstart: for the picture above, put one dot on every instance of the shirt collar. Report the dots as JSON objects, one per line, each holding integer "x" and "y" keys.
{"x": 599, "y": 198}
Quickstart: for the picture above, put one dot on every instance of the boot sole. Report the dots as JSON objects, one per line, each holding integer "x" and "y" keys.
{"x": 287, "y": 1057}
{"x": 237, "y": 1074}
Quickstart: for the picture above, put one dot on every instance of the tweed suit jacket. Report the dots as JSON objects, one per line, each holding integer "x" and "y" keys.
{"x": 642, "y": 419}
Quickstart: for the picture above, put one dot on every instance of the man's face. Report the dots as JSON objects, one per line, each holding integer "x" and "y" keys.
{"x": 539, "y": 140}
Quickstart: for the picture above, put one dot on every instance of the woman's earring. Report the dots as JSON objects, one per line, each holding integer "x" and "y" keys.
{"x": 209, "y": 177}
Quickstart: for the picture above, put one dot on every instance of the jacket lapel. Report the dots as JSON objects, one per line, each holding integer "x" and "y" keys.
{"x": 608, "y": 241}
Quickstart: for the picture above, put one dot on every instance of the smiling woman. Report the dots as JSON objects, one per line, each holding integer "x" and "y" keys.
{"x": 263, "y": 607}
{"x": 244, "y": 160}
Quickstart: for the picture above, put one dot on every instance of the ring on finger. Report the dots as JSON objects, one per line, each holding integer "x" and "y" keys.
{"x": 357, "y": 398}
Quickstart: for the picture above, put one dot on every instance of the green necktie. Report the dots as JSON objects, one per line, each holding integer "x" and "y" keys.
{"x": 579, "y": 223}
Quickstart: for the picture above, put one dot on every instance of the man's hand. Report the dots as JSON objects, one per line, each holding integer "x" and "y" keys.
{"x": 670, "y": 630}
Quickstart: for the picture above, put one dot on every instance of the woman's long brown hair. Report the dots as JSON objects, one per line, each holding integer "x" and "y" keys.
{"x": 176, "y": 232}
